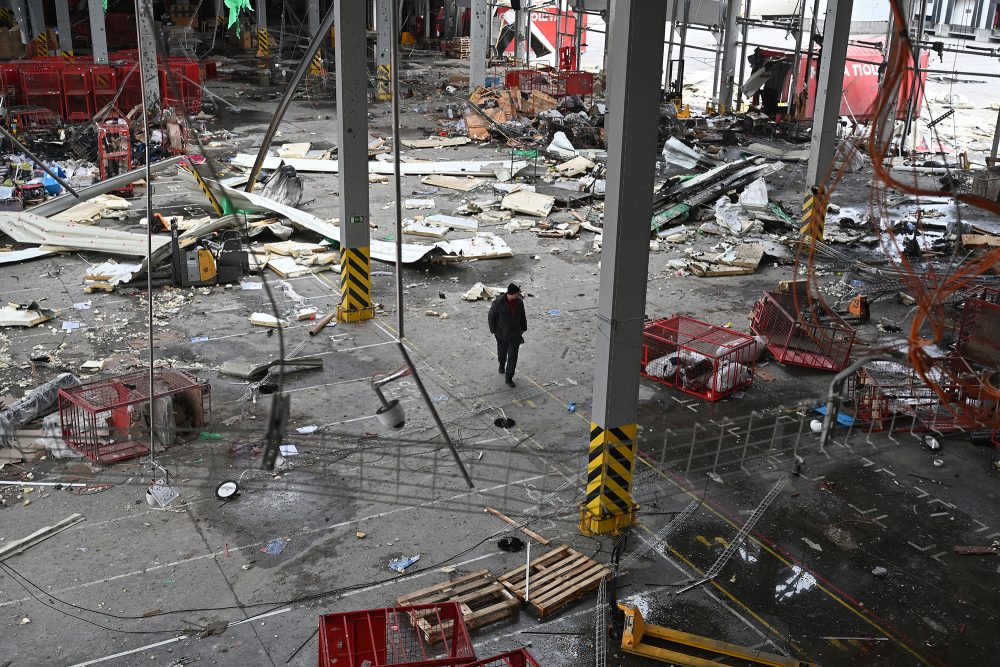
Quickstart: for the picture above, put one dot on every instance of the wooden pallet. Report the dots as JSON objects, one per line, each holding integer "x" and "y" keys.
{"x": 557, "y": 579}
{"x": 482, "y": 599}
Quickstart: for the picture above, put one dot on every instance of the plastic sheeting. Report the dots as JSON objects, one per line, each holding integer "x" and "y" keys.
{"x": 37, "y": 403}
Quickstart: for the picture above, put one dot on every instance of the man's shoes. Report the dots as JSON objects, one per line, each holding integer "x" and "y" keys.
{"x": 502, "y": 370}
{"x": 510, "y": 383}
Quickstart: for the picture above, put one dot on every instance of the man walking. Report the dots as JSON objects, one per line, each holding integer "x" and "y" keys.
{"x": 507, "y": 322}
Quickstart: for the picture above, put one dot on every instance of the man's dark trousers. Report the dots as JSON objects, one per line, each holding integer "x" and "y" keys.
{"x": 507, "y": 355}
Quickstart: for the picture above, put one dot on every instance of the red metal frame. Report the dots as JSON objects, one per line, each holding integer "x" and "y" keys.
{"x": 517, "y": 658}
{"x": 556, "y": 84}
{"x": 698, "y": 358}
{"x": 98, "y": 418}
{"x": 114, "y": 151}
{"x": 41, "y": 86}
{"x": 78, "y": 99}
{"x": 813, "y": 336}
{"x": 884, "y": 388}
{"x": 976, "y": 329}
{"x": 386, "y": 637}
{"x": 105, "y": 85}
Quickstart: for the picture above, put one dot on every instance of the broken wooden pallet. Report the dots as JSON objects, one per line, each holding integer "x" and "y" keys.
{"x": 482, "y": 599}
{"x": 559, "y": 577}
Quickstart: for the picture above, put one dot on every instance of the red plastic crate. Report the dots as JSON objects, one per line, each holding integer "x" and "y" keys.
{"x": 101, "y": 419}
{"x": 698, "y": 358}
{"x": 518, "y": 658}
{"x": 802, "y": 333}
{"x": 386, "y": 637}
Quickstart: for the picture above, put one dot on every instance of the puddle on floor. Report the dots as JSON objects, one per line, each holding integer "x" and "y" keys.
{"x": 798, "y": 581}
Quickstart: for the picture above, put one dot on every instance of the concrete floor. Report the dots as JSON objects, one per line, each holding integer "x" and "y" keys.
{"x": 800, "y": 585}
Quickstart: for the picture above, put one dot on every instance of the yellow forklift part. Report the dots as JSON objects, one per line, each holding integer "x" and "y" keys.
{"x": 687, "y": 650}
{"x": 206, "y": 265}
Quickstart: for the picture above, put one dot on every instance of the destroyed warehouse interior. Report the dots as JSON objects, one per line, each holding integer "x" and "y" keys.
{"x": 736, "y": 261}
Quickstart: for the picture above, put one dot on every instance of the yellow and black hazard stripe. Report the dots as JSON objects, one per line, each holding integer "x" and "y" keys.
{"x": 316, "y": 64}
{"x": 102, "y": 82}
{"x": 220, "y": 21}
{"x": 355, "y": 285}
{"x": 383, "y": 83}
{"x": 609, "y": 507}
{"x": 6, "y": 17}
{"x": 67, "y": 56}
{"x": 263, "y": 43}
{"x": 42, "y": 43}
{"x": 212, "y": 199}
{"x": 814, "y": 213}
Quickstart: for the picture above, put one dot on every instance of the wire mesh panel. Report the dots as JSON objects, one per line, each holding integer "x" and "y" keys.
{"x": 105, "y": 419}
{"x": 698, "y": 358}
{"x": 976, "y": 335}
{"x": 517, "y": 658}
{"x": 388, "y": 636}
{"x": 802, "y": 332}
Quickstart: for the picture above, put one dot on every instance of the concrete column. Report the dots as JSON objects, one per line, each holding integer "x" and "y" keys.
{"x": 633, "y": 113}
{"x": 98, "y": 32}
{"x": 427, "y": 18}
{"x": 263, "y": 38}
{"x": 20, "y": 10}
{"x": 727, "y": 83}
{"x": 65, "y": 29}
{"x": 221, "y": 18}
{"x": 383, "y": 23}
{"x": 352, "y": 141}
{"x": 826, "y": 115}
{"x": 479, "y": 43}
{"x": 39, "y": 33}
{"x": 147, "y": 63}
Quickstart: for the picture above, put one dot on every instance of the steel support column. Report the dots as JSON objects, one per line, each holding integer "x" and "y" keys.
{"x": 65, "y": 29}
{"x": 263, "y": 38}
{"x": 98, "y": 32}
{"x": 479, "y": 43}
{"x": 826, "y": 115}
{"x": 20, "y": 9}
{"x": 39, "y": 33}
{"x": 147, "y": 56}
{"x": 633, "y": 112}
{"x": 352, "y": 140}
{"x": 312, "y": 18}
{"x": 383, "y": 23}
{"x": 727, "y": 81}
{"x": 520, "y": 25}
{"x": 996, "y": 144}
